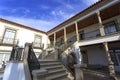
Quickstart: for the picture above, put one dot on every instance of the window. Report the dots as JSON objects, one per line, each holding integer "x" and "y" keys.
{"x": 115, "y": 56}
{"x": 92, "y": 34}
{"x": 37, "y": 41}
{"x": 4, "y": 56}
{"x": 9, "y": 36}
{"x": 110, "y": 28}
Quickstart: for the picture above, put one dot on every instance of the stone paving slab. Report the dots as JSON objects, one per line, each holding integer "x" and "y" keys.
{"x": 95, "y": 75}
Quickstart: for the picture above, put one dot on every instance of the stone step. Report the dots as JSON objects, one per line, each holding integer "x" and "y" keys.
{"x": 56, "y": 70}
{"x": 50, "y": 64}
{"x": 53, "y": 67}
{"x": 47, "y": 61}
{"x": 58, "y": 76}
{"x": 56, "y": 73}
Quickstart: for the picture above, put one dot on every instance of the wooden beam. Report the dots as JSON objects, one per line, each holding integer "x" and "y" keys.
{"x": 54, "y": 39}
{"x": 65, "y": 36}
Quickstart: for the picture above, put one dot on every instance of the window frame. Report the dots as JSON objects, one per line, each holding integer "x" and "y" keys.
{"x": 108, "y": 25}
{"x": 15, "y": 35}
{"x": 40, "y": 43}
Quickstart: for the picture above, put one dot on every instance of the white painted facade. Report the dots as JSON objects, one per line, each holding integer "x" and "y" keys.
{"x": 23, "y": 35}
{"x": 13, "y": 71}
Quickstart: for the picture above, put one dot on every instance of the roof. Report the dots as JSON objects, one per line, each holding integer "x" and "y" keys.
{"x": 65, "y": 22}
{"x": 20, "y": 25}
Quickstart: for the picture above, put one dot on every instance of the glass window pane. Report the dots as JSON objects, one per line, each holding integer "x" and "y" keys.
{"x": 38, "y": 41}
{"x": 9, "y": 36}
{"x": 4, "y": 56}
{"x": 110, "y": 28}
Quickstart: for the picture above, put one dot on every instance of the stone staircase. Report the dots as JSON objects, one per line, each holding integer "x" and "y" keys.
{"x": 56, "y": 70}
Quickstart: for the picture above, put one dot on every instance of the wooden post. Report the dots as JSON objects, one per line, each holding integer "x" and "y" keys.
{"x": 65, "y": 36}
{"x": 54, "y": 39}
{"x": 101, "y": 27}
{"x": 77, "y": 34}
{"x": 110, "y": 63}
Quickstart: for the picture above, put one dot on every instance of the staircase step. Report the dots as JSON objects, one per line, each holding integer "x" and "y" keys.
{"x": 64, "y": 78}
{"x": 53, "y": 67}
{"x": 56, "y": 71}
{"x": 57, "y": 76}
{"x": 50, "y": 64}
{"x": 47, "y": 61}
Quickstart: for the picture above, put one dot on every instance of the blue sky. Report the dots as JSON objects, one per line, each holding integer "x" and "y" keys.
{"x": 41, "y": 14}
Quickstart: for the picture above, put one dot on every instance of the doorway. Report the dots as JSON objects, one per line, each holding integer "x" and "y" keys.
{"x": 115, "y": 56}
{"x": 84, "y": 56}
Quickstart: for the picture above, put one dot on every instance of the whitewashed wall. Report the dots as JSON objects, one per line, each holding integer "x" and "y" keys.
{"x": 23, "y": 35}
{"x": 97, "y": 55}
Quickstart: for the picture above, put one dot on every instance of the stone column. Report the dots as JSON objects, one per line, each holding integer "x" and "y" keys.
{"x": 110, "y": 63}
{"x": 77, "y": 34}
{"x": 79, "y": 71}
{"x": 39, "y": 74}
{"x": 101, "y": 27}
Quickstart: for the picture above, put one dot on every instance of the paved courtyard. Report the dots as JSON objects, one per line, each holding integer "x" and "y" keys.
{"x": 96, "y": 75}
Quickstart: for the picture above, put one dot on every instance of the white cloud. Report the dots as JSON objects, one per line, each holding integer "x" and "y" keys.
{"x": 65, "y": 4}
{"x": 43, "y": 25}
{"x": 68, "y": 10}
{"x": 61, "y": 15}
{"x": 89, "y": 2}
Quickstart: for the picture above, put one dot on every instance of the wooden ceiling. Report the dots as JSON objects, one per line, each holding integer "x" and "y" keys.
{"x": 110, "y": 12}
{"x": 51, "y": 37}
{"x": 88, "y": 21}
{"x": 60, "y": 33}
{"x": 70, "y": 29}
